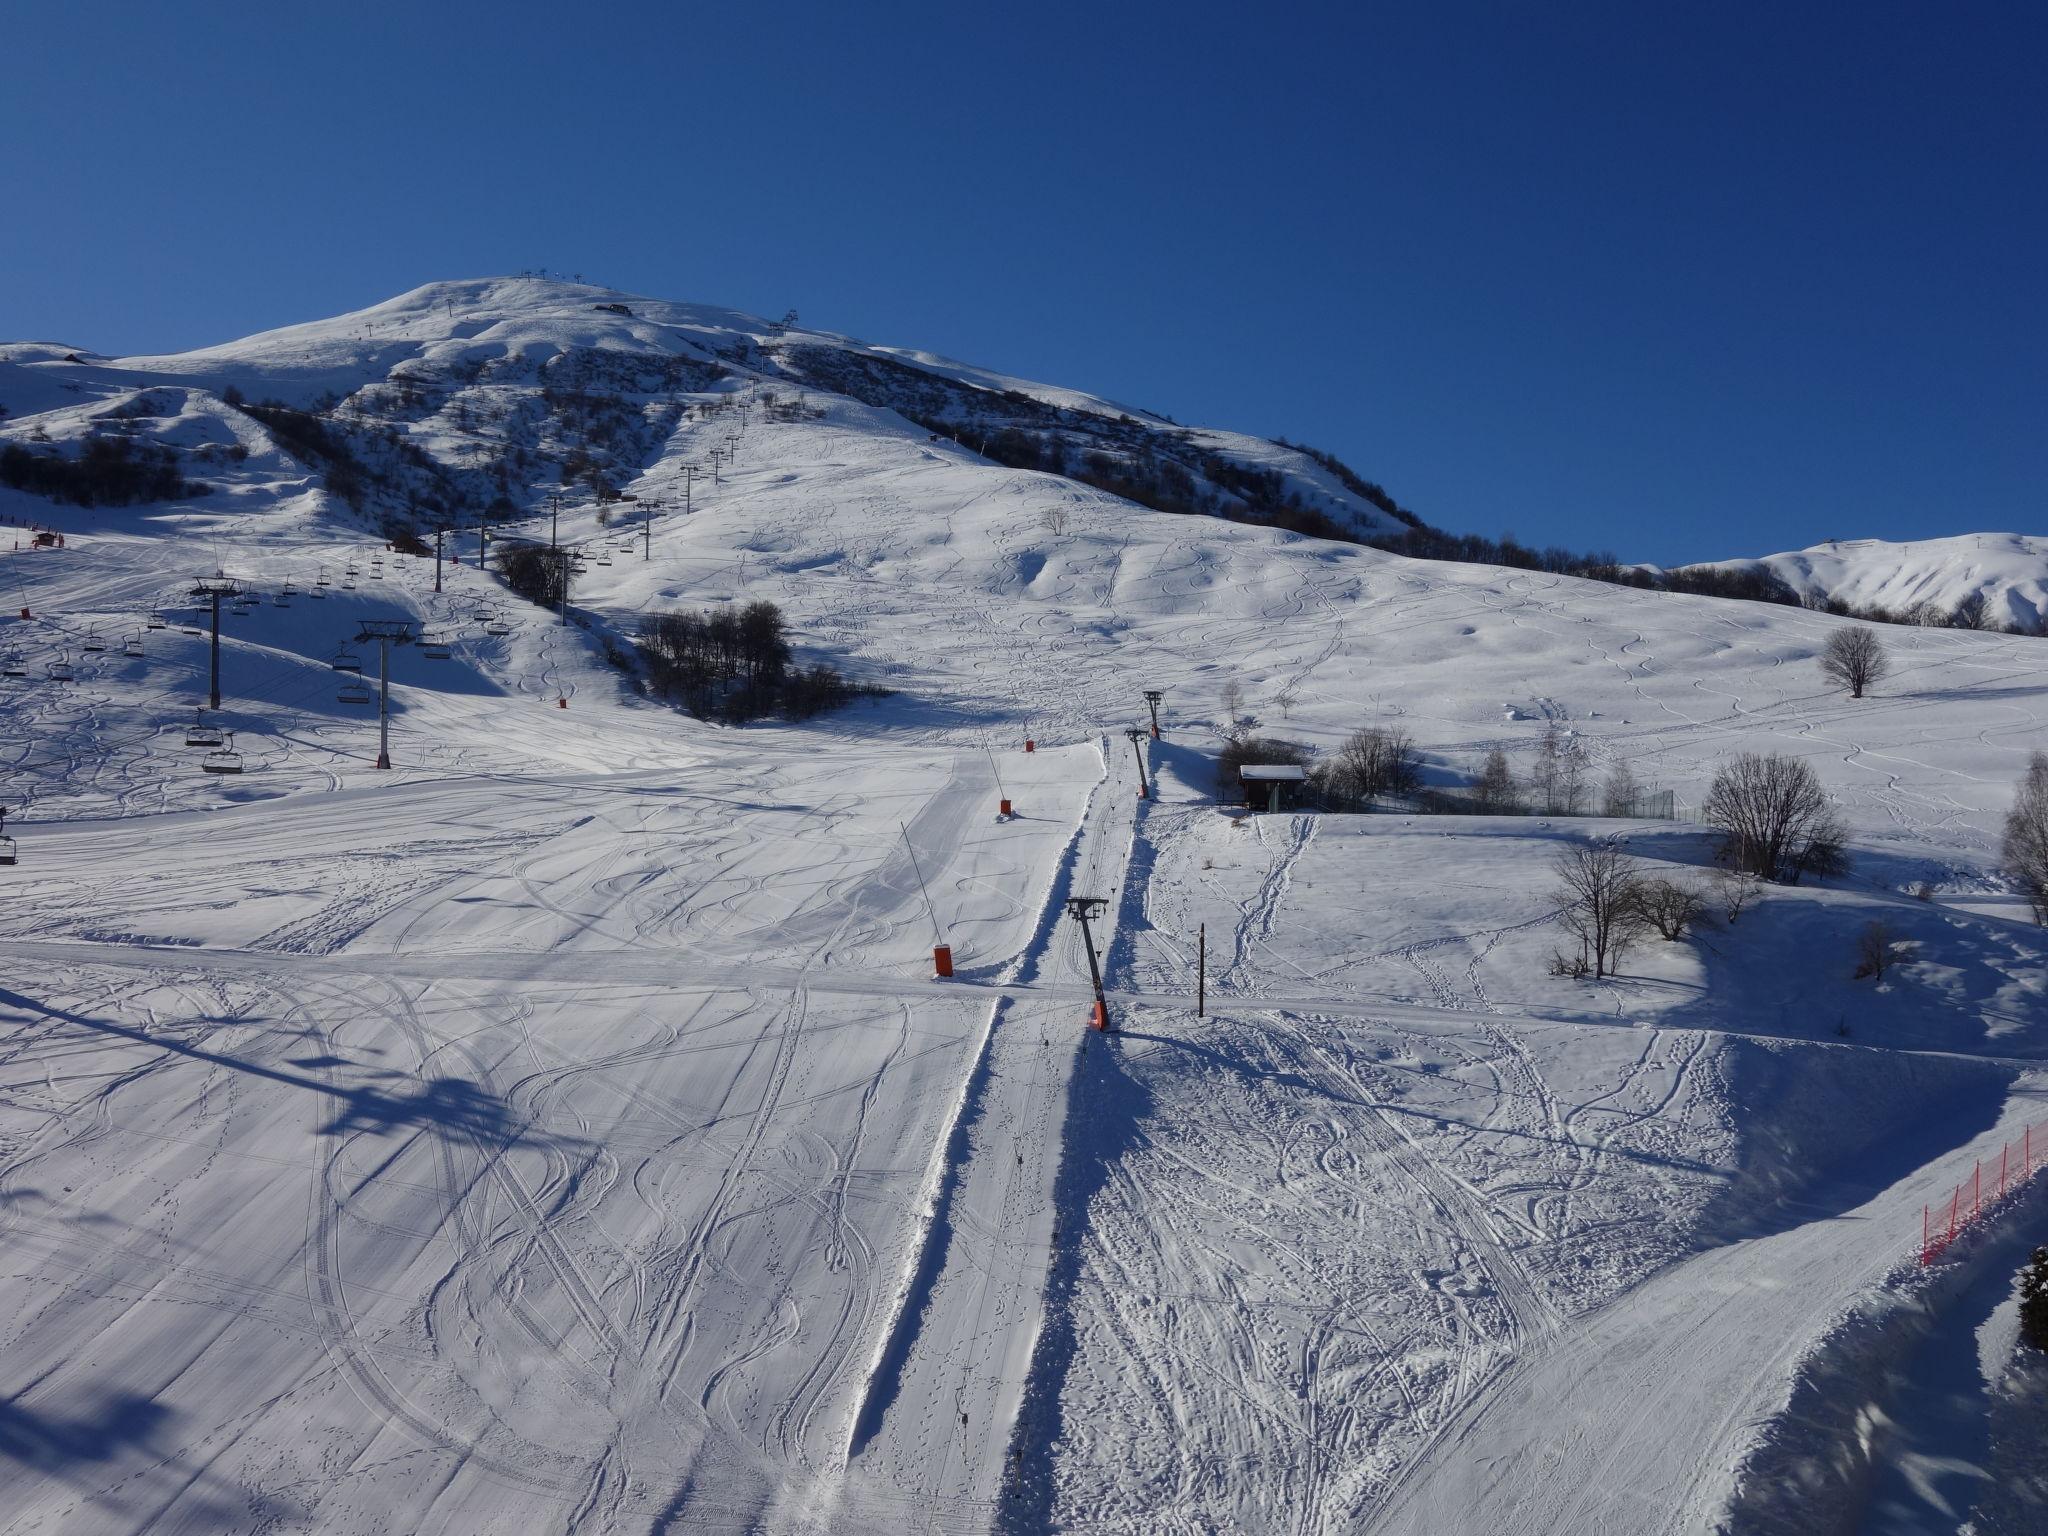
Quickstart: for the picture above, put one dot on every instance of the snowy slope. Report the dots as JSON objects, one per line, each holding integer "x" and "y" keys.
{"x": 562, "y": 1130}
{"x": 2009, "y": 571}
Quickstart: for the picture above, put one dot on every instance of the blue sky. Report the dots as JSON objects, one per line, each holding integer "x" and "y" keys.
{"x": 1683, "y": 282}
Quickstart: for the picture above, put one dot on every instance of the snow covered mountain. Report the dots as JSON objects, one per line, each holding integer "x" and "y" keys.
{"x": 565, "y": 1129}
{"x": 1998, "y": 579}
{"x": 461, "y": 395}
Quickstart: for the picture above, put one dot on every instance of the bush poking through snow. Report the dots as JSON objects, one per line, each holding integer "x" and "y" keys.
{"x": 2034, "y": 1300}
{"x": 1672, "y": 907}
{"x": 1600, "y": 900}
{"x": 1735, "y": 889}
{"x": 2025, "y": 849}
{"x": 1777, "y": 822}
{"x": 1877, "y": 951}
{"x": 1854, "y": 659}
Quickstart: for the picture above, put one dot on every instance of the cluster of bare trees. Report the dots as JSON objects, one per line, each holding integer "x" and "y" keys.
{"x": 1372, "y": 764}
{"x": 1560, "y": 783}
{"x": 1776, "y": 823}
{"x": 1609, "y": 903}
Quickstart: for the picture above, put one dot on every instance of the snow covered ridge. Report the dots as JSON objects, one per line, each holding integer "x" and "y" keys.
{"x": 1970, "y": 580}
{"x": 500, "y": 360}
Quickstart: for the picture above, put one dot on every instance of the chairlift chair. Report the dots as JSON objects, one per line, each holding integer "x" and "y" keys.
{"x": 200, "y": 734}
{"x": 353, "y": 693}
{"x": 12, "y": 665}
{"x": 318, "y": 594}
{"x": 60, "y": 670}
{"x": 192, "y": 626}
{"x": 604, "y": 559}
{"x": 92, "y": 641}
{"x": 132, "y": 645}
{"x": 321, "y": 580}
{"x": 223, "y": 758}
{"x": 7, "y": 853}
{"x": 498, "y": 628}
{"x": 156, "y": 621}
{"x": 346, "y": 660}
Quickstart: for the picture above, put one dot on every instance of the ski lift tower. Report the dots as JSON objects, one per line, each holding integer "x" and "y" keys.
{"x": 384, "y": 633}
{"x": 1152, "y": 698}
{"x": 1081, "y": 909}
{"x": 1137, "y": 735}
{"x": 213, "y": 588}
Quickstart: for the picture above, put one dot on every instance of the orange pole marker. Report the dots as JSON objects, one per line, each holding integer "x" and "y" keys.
{"x": 942, "y": 959}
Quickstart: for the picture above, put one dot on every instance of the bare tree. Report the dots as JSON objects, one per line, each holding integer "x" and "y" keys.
{"x": 1233, "y": 704}
{"x": 1496, "y": 794}
{"x": 1776, "y": 820}
{"x": 1600, "y": 902}
{"x": 1854, "y": 658}
{"x": 1736, "y": 889}
{"x": 2026, "y": 836}
{"x": 1622, "y": 790}
{"x": 1671, "y": 907}
{"x": 1877, "y": 951}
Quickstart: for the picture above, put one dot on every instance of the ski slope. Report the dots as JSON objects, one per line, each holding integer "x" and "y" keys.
{"x": 563, "y": 1130}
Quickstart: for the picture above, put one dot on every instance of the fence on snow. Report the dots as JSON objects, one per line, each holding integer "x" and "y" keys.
{"x": 1989, "y": 1186}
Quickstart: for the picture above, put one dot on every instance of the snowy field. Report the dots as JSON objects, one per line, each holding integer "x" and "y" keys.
{"x": 563, "y": 1130}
